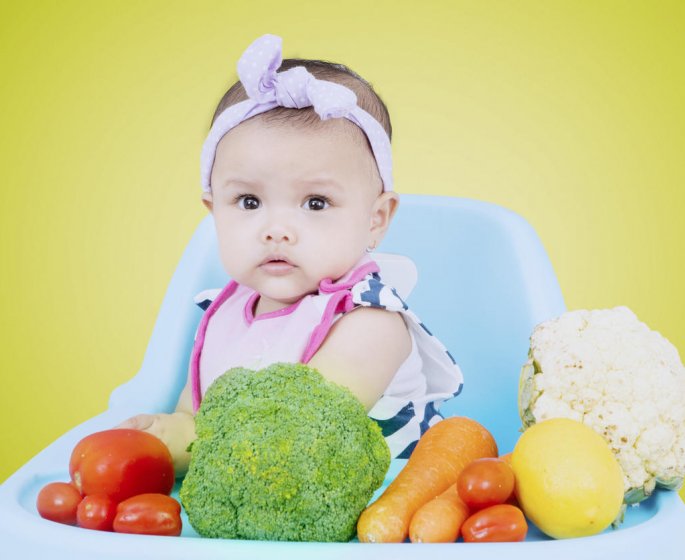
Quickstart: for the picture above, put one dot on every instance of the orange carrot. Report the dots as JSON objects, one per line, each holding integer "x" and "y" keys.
{"x": 441, "y": 454}
{"x": 439, "y": 520}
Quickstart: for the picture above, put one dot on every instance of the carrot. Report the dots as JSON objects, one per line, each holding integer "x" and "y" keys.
{"x": 439, "y": 520}
{"x": 441, "y": 454}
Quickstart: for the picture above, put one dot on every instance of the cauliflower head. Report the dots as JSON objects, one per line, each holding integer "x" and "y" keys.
{"x": 608, "y": 370}
{"x": 282, "y": 454}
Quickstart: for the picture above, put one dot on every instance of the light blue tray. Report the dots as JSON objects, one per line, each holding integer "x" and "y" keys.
{"x": 484, "y": 282}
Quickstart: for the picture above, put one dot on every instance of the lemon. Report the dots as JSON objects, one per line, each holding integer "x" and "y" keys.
{"x": 568, "y": 481}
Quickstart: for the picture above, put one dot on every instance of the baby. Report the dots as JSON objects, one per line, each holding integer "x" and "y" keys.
{"x": 297, "y": 173}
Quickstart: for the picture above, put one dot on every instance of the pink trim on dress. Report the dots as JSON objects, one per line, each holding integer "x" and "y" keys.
{"x": 249, "y": 310}
{"x": 196, "y": 390}
{"x": 340, "y": 302}
{"x": 327, "y": 286}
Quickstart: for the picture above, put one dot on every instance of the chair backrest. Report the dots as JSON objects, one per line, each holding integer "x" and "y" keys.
{"x": 484, "y": 282}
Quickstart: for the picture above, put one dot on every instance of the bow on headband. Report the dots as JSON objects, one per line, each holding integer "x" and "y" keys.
{"x": 295, "y": 88}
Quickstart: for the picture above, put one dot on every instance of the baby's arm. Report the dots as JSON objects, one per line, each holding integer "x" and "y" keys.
{"x": 176, "y": 430}
{"x": 363, "y": 351}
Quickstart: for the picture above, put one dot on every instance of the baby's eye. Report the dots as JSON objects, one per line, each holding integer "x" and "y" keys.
{"x": 316, "y": 203}
{"x": 247, "y": 202}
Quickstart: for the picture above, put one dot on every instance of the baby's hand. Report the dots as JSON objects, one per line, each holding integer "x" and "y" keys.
{"x": 140, "y": 422}
{"x": 176, "y": 430}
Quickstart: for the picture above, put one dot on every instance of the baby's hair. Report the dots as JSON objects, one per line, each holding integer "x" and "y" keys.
{"x": 367, "y": 98}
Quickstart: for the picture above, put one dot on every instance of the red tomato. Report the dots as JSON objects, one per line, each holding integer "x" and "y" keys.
{"x": 96, "y": 512}
{"x": 486, "y": 482}
{"x": 121, "y": 463}
{"x": 500, "y": 523}
{"x": 58, "y": 501}
{"x": 149, "y": 514}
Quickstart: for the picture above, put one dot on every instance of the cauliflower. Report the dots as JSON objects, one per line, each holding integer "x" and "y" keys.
{"x": 608, "y": 370}
{"x": 282, "y": 454}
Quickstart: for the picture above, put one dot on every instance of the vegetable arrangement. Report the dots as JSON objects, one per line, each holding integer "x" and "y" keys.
{"x": 434, "y": 465}
{"x": 474, "y": 507}
{"x": 283, "y": 454}
{"x": 602, "y": 399}
{"x": 452, "y": 484}
{"x": 609, "y": 371}
{"x": 120, "y": 481}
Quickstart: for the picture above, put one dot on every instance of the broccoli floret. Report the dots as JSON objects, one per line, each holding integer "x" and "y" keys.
{"x": 282, "y": 454}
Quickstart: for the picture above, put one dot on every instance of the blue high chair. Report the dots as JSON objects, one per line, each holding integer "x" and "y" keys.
{"x": 484, "y": 282}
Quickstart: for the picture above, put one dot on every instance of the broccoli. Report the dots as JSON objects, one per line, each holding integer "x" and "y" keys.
{"x": 282, "y": 454}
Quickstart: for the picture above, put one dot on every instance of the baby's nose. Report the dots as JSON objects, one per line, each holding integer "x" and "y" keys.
{"x": 278, "y": 233}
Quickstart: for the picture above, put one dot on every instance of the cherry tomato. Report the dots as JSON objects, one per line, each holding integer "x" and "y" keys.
{"x": 121, "y": 463}
{"x": 486, "y": 482}
{"x": 58, "y": 501}
{"x": 149, "y": 514}
{"x": 500, "y": 523}
{"x": 96, "y": 512}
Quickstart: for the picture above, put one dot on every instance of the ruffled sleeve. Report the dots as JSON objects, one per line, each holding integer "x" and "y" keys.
{"x": 402, "y": 414}
{"x": 204, "y": 299}
{"x": 443, "y": 375}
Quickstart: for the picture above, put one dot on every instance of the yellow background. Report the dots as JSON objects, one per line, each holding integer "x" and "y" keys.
{"x": 569, "y": 113}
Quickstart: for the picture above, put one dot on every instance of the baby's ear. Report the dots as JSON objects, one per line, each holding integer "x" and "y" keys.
{"x": 208, "y": 201}
{"x": 384, "y": 209}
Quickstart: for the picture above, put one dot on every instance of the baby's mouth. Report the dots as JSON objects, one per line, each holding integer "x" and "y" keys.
{"x": 276, "y": 265}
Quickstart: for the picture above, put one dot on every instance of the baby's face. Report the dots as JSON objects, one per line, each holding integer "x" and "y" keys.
{"x": 293, "y": 206}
